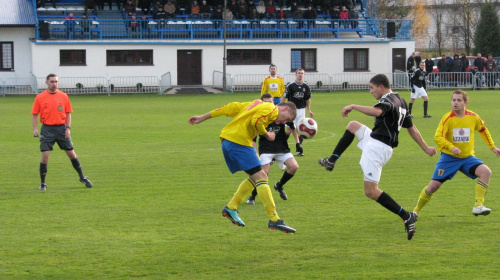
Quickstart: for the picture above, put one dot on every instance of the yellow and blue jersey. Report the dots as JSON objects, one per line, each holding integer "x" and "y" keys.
{"x": 249, "y": 119}
{"x": 459, "y": 132}
{"x": 274, "y": 86}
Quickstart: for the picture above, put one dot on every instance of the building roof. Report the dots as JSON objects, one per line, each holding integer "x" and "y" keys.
{"x": 17, "y": 13}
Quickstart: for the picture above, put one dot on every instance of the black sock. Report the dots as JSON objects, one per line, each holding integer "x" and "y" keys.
{"x": 426, "y": 104}
{"x": 301, "y": 140}
{"x": 43, "y": 172}
{"x": 254, "y": 193}
{"x": 285, "y": 178}
{"x": 409, "y": 107}
{"x": 342, "y": 145}
{"x": 391, "y": 205}
{"x": 77, "y": 166}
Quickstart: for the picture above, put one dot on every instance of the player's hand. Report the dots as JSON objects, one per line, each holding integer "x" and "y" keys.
{"x": 430, "y": 151}
{"x": 270, "y": 136}
{"x": 456, "y": 151}
{"x": 346, "y": 110}
{"x": 194, "y": 120}
{"x": 35, "y": 133}
{"x": 311, "y": 114}
{"x": 67, "y": 133}
{"x": 496, "y": 151}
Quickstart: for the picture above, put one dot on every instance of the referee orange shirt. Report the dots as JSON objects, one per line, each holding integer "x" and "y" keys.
{"x": 52, "y": 107}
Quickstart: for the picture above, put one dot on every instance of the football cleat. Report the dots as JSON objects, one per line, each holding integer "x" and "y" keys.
{"x": 480, "y": 210}
{"x": 281, "y": 191}
{"x": 232, "y": 215}
{"x": 427, "y": 116}
{"x": 410, "y": 224}
{"x": 251, "y": 200}
{"x": 280, "y": 225}
{"x": 87, "y": 182}
{"x": 327, "y": 164}
{"x": 42, "y": 187}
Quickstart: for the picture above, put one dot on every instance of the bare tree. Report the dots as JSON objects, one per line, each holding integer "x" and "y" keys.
{"x": 438, "y": 36}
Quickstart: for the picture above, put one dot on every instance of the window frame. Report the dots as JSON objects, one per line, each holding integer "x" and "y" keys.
{"x": 355, "y": 59}
{"x": 72, "y": 54}
{"x": 136, "y": 57}
{"x": 10, "y": 69}
{"x": 259, "y": 59}
{"x": 303, "y": 60}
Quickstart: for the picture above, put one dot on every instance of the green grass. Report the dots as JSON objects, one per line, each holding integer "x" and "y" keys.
{"x": 160, "y": 185}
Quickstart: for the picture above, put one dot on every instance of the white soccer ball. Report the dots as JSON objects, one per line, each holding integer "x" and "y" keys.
{"x": 307, "y": 128}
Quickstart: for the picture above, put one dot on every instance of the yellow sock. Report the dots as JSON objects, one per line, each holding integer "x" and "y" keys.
{"x": 481, "y": 190}
{"x": 266, "y": 196}
{"x": 425, "y": 196}
{"x": 245, "y": 187}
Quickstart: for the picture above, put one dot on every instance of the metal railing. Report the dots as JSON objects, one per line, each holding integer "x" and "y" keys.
{"x": 218, "y": 82}
{"x": 56, "y": 28}
{"x": 165, "y": 82}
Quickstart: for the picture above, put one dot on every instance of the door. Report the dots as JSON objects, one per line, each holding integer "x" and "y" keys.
{"x": 189, "y": 67}
{"x": 399, "y": 59}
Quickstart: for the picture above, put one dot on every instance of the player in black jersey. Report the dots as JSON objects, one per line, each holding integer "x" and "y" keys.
{"x": 276, "y": 151}
{"x": 419, "y": 89}
{"x": 298, "y": 93}
{"x": 391, "y": 113}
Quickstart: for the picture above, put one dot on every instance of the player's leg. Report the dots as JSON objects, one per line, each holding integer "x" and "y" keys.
{"x": 484, "y": 173}
{"x": 301, "y": 114}
{"x": 43, "y": 169}
{"x": 77, "y": 166}
{"x": 291, "y": 168}
{"x": 251, "y": 199}
{"x": 426, "y": 105}
{"x": 47, "y": 140}
{"x": 426, "y": 195}
{"x": 410, "y": 105}
{"x": 353, "y": 129}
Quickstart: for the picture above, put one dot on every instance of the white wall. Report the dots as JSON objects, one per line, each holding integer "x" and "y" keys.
{"x": 329, "y": 58}
{"x": 22, "y": 50}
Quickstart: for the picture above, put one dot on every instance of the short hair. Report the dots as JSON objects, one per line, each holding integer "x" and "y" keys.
{"x": 292, "y": 109}
{"x": 272, "y": 65}
{"x": 266, "y": 95}
{"x": 381, "y": 80}
{"x": 299, "y": 69}
{"x": 50, "y": 76}
{"x": 463, "y": 93}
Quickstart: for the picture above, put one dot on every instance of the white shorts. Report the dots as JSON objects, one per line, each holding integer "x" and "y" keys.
{"x": 301, "y": 114}
{"x": 279, "y": 158}
{"x": 374, "y": 156}
{"x": 419, "y": 92}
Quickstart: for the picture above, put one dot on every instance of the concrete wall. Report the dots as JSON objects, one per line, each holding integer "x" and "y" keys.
{"x": 22, "y": 50}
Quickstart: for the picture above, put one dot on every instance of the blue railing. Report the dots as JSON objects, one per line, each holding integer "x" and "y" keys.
{"x": 56, "y": 28}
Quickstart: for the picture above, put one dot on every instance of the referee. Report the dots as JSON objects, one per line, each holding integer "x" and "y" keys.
{"x": 54, "y": 109}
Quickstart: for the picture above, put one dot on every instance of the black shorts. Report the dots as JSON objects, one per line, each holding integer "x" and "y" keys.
{"x": 51, "y": 134}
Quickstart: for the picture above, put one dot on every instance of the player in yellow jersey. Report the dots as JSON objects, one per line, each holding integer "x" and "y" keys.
{"x": 249, "y": 119}
{"x": 273, "y": 84}
{"x": 455, "y": 138}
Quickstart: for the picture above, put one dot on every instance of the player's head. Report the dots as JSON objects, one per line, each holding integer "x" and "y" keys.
{"x": 422, "y": 65}
{"x": 299, "y": 74}
{"x": 52, "y": 80}
{"x": 459, "y": 99}
{"x": 273, "y": 69}
{"x": 267, "y": 97}
{"x": 287, "y": 112}
{"x": 379, "y": 85}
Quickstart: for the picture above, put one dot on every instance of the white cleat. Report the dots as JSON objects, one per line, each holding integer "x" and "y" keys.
{"x": 480, "y": 210}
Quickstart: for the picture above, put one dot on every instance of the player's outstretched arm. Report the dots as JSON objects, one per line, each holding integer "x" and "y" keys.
{"x": 367, "y": 110}
{"x": 496, "y": 151}
{"x": 417, "y": 137}
{"x": 199, "y": 119}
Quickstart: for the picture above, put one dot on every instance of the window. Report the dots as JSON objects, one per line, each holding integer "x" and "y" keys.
{"x": 248, "y": 57}
{"x": 129, "y": 57}
{"x": 304, "y": 58}
{"x": 6, "y": 56}
{"x": 72, "y": 57}
{"x": 355, "y": 60}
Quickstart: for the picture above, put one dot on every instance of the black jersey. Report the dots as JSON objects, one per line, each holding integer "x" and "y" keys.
{"x": 418, "y": 78}
{"x": 298, "y": 94}
{"x": 394, "y": 116}
{"x": 280, "y": 143}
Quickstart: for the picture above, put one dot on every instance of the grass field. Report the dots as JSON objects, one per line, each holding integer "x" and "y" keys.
{"x": 160, "y": 185}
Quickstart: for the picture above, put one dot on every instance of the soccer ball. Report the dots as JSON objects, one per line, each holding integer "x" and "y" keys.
{"x": 307, "y": 128}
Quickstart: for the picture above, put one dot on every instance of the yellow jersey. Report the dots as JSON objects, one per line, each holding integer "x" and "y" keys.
{"x": 249, "y": 119}
{"x": 274, "y": 86}
{"x": 459, "y": 132}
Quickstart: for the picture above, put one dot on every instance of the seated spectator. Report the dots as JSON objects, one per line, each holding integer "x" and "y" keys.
{"x": 344, "y": 17}
{"x": 234, "y": 8}
{"x": 243, "y": 9}
{"x": 145, "y": 6}
{"x": 261, "y": 9}
{"x": 169, "y": 9}
{"x": 252, "y": 13}
{"x": 85, "y": 24}
{"x": 227, "y": 15}
{"x": 160, "y": 17}
{"x": 70, "y": 23}
{"x": 195, "y": 9}
{"x": 157, "y": 4}
{"x": 129, "y": 8}
{"x": 133, "y": 26}
{"x": 270, "y": 10}
{"x": 144, "y": 26}
{"x": 310, "y": 16}
{"x": 183, "y": 6}
{"x": 205, "y": 10}
{"x": 217, "y": 13}
{"x": 293, "y": 7}
{"x": 353, "y": 15}
{"x": 298, "y": 13}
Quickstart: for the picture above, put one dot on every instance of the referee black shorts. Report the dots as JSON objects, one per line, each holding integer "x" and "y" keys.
{"x": 51, "y": 134}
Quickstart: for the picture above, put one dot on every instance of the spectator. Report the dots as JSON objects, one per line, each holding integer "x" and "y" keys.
{"x": 252, "y": 13}
{"x": 41, "y": 3}
{"x": 464, "y": 62}
{"x": 270, "y": 10}
{"x": 133, "y": 26}
{"x": 455, "y": 67}
{"x": 169, "y": 9}
{"x": 353, "y": 15}
{"x": 218, "y": 13}
{"x": 491, "y": 76}
{"x": 480, "y": 64}
{"x": 90, "y": 4}
{"x": 195, "y": 9}
{"x": 243, "y": 9}
{"x": 448, "y": 57}
{"x": 120, "y": 3}
{"x": 144, "y": 26}
{"x": 429, "y": 65}
{"x": 490, "y": 61}
{"x": 476, "y": 80}
{"x": 335, "y": 15}
{"x": 411, "y": 64}
{"x": 227, "y": 15}
{"x": 157, "y": 4}
{"x": 293, "y": 7}
{"x": 205, "y": 10}
{"x": 442, "y": 66}
{"x": 70, "y": 23}
{"x": 261, "y": 9}
{"x": 310, "y": 16}
{"x": 84, "y": 24}
{"x": 160, "y": 17}
{"x": 344, "y": 17}
{"x": 130, "y": 8}
{"x": 234, "y": 8}
{"x": 145, "y": 6}
{"x": 182, "y": 6}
